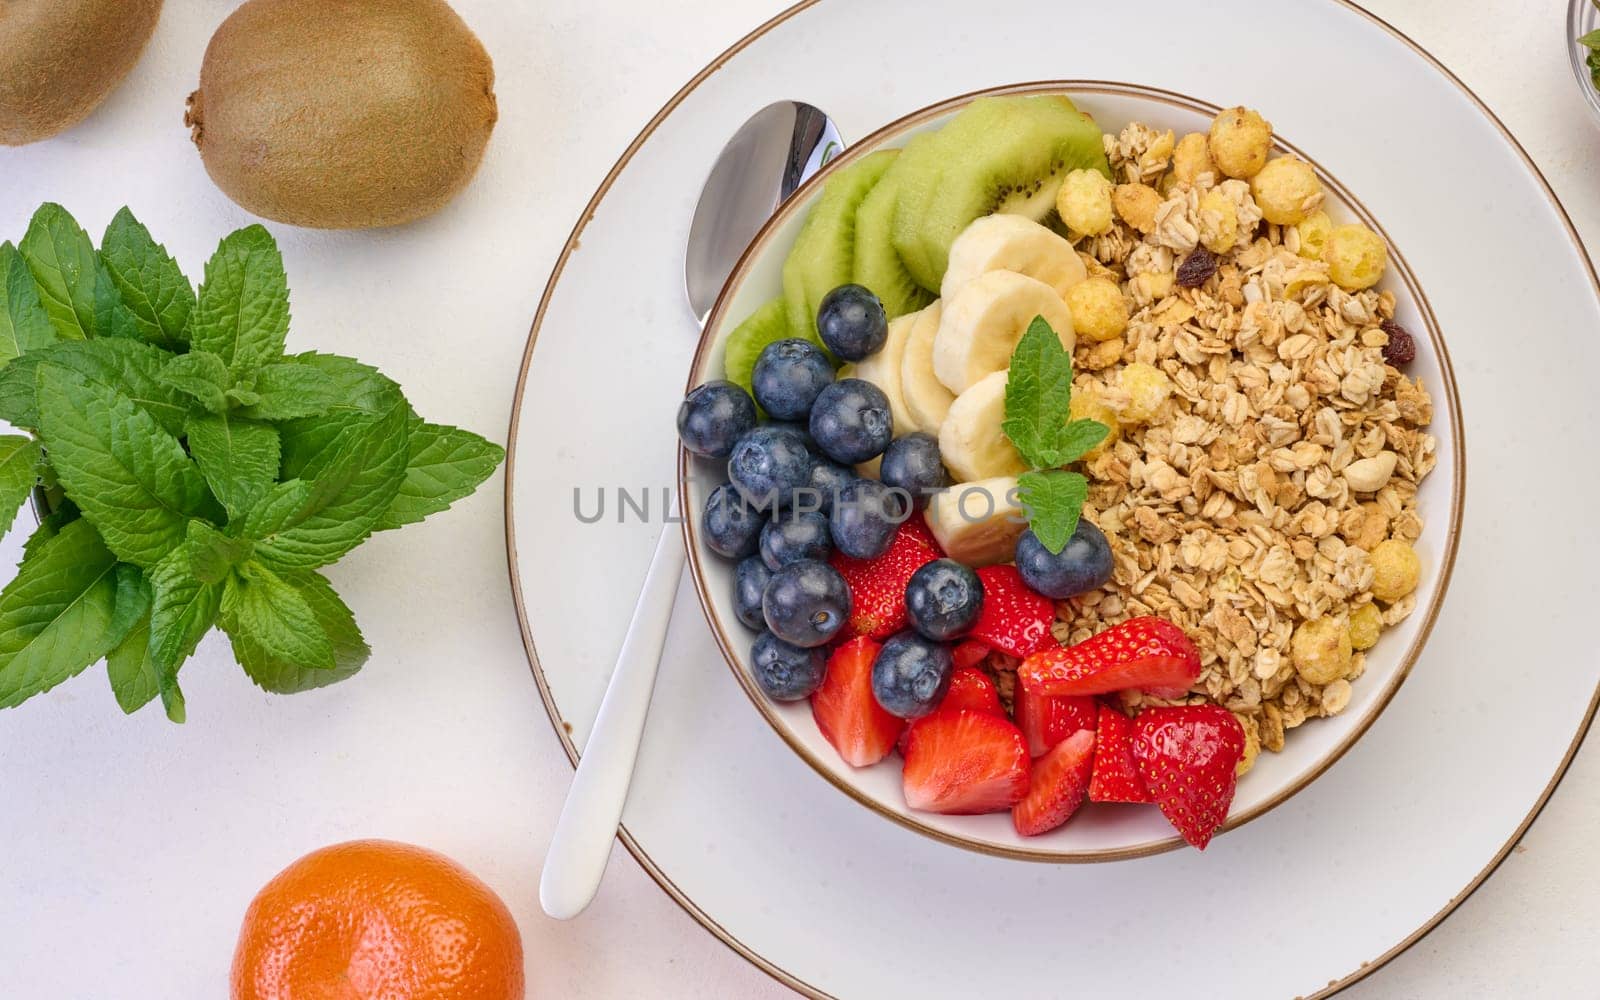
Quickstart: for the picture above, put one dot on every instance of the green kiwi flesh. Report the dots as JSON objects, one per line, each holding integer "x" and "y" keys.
{"x": 823, "y": 254}
{"x": 999, "y": 154}
{"x": 877, "y": 266}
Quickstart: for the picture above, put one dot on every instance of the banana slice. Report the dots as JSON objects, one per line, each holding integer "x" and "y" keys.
{"x": 883, "y": 370}
{"x": 926, "y": 398}
{"x": 971, "y": 441}
{"x": 1012, "y": 243}
{"x": 978, "y": 523}
{"x": 980, "y": 326}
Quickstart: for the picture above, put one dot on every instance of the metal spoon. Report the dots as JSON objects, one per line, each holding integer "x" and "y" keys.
{"x": 771, "y": 155}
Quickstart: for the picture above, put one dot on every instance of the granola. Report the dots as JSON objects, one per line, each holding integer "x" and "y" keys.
{"x": 1280, "y": 453}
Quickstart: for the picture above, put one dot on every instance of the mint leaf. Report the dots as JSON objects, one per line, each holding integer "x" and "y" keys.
{"x": 1080, "y": 437}
{"x": 338, "y": 622}
{"x": 443, "y": 465}
{"x": 55, "y": 613}
{"x": 131, "y": 670}
{"x": 243, "y": 397}
{"x": 242, "y": 314}
{"x": 129, "y": 477}
{"x": 213, "y": 555}
{"x": 132, "y": 601}
{"x": 288, "y": 390}
{"x": 1052, "y": 501}
{"x": 182, "y": 611}
{"x": 276, "y": 635}
{"x": 284, "y": 506}
{"x": 64, "y": 266}
{"x": 201, "y": 375}
{"x": 155, "y": 291}
{"x": 356, "y": 387}
{"x": 24, "y": 325}
{"x": 239, "y": 458}
{"x": 1038, "y": 393}
{"x": 1590, "y": 40}
{"x": 130, "y": 367}
{"x": 18, "y": 457}
{"x": 356, "y": 463}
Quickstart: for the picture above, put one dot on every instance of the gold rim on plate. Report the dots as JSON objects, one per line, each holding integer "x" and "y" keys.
{"x": 561, "y": 727}
{"x": 1043, "y": 853}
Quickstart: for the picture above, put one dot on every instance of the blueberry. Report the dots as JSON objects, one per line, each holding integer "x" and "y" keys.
{"x": 911, "y": 675}
{"x": 1083, "y": 565}
{"x": 749, "y": 581}
{"x": 851, "y": 422}
{"x": 713, "y": 417}
{"x": 786, "y": 672}
{"x": 806, "y": 603}
{"x": 732, "y": 528}
{"x": 852, "y": 322}
{"x": 787, "y": 377}
{"x": 767, "y": 465}
{"x": 912, "y": 463}
{"x": 801, "y": 427}
{"x": 828, "y": 479}
{"x": 943, "y": 599}
{"x": 791, "y": 537}
{"x": 865, "y": 518}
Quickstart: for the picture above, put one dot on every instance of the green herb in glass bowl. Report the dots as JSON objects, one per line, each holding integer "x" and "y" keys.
{"x": 197, "y": 475}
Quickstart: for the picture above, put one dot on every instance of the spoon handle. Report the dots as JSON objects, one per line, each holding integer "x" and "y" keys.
{"x": 588, "y": 824}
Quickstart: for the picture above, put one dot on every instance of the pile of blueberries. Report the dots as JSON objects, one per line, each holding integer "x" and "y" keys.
{"x": 792, "y": 495}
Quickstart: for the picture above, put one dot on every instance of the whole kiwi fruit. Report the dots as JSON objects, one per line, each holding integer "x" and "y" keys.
{"x": 60, "y": 58}
{"x": 343, "y": 114}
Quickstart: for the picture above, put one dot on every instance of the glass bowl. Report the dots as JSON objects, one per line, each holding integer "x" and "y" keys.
{"x": 1583, "y": 17}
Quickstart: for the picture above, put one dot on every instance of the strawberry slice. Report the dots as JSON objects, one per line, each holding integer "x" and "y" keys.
{"x": 1060, "y": 779}
{"x": 1187, "y": 756}
{"x": 969, "y": 653}
{"x": 972, "y": 690}
{"x": 1149, "y": 653}
{"x": 1014, "y": 619}
{"x": 965, "y": 762}
{"x": 878, "y": 586}
{"x": 849, "y": 717}
{"x": 1048, "y": 719}
{"x": 1116, "y": 776}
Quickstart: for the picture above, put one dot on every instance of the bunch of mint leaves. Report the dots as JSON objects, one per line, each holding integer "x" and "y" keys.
{"x": 195, "y": 475}
{"x": 1039, "y": 423}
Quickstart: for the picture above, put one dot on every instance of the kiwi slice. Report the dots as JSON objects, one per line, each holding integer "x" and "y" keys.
{"x": 999, "y": 154}
{"x": 877, "y": 266}
{"x": 916, "y": 173}
{"x": 768, "y": 324}
{"x": 823, "y": 254}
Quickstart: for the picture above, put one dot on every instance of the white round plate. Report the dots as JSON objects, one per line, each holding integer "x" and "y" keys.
{"x": 1107, "y": 833}
{"x": 1321, "y": 890}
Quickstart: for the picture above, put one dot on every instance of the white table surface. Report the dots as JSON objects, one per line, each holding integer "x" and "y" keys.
{"x": 129, "y": 848}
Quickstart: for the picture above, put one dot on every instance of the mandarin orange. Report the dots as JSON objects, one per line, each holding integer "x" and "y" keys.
{"x": 377, "y": 920}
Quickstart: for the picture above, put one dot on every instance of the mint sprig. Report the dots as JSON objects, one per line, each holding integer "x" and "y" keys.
{"x": 1038, "y": 422}
{"x": 198, "y": 477}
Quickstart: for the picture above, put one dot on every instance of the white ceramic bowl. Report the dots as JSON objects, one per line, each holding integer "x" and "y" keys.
{"x": 1101, "y": 832}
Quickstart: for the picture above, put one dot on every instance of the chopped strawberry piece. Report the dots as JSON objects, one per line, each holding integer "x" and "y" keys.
{"x": 969, "y": 653}
{"x": 1014, "y": 619}
{"x": 1048, "y": 719}
{"x": 965, "y": 762}
{"x": 1187, "y": 756}
{"x": 878, "y": 586}
{"x": 1116, "y": 776}
{"x": 1060, "y": 779}
{"x": 972, "y": 690}
{"x": 1148, "y": 653}
{"x": 849, "y": 717}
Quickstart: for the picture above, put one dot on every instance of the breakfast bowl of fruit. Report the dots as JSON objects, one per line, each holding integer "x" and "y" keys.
{"x": 1071, "y": 471}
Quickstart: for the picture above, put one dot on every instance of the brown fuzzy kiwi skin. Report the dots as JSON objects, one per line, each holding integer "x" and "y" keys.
{"x": 60, "y": 58}
{"x": 343, "y": 114}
